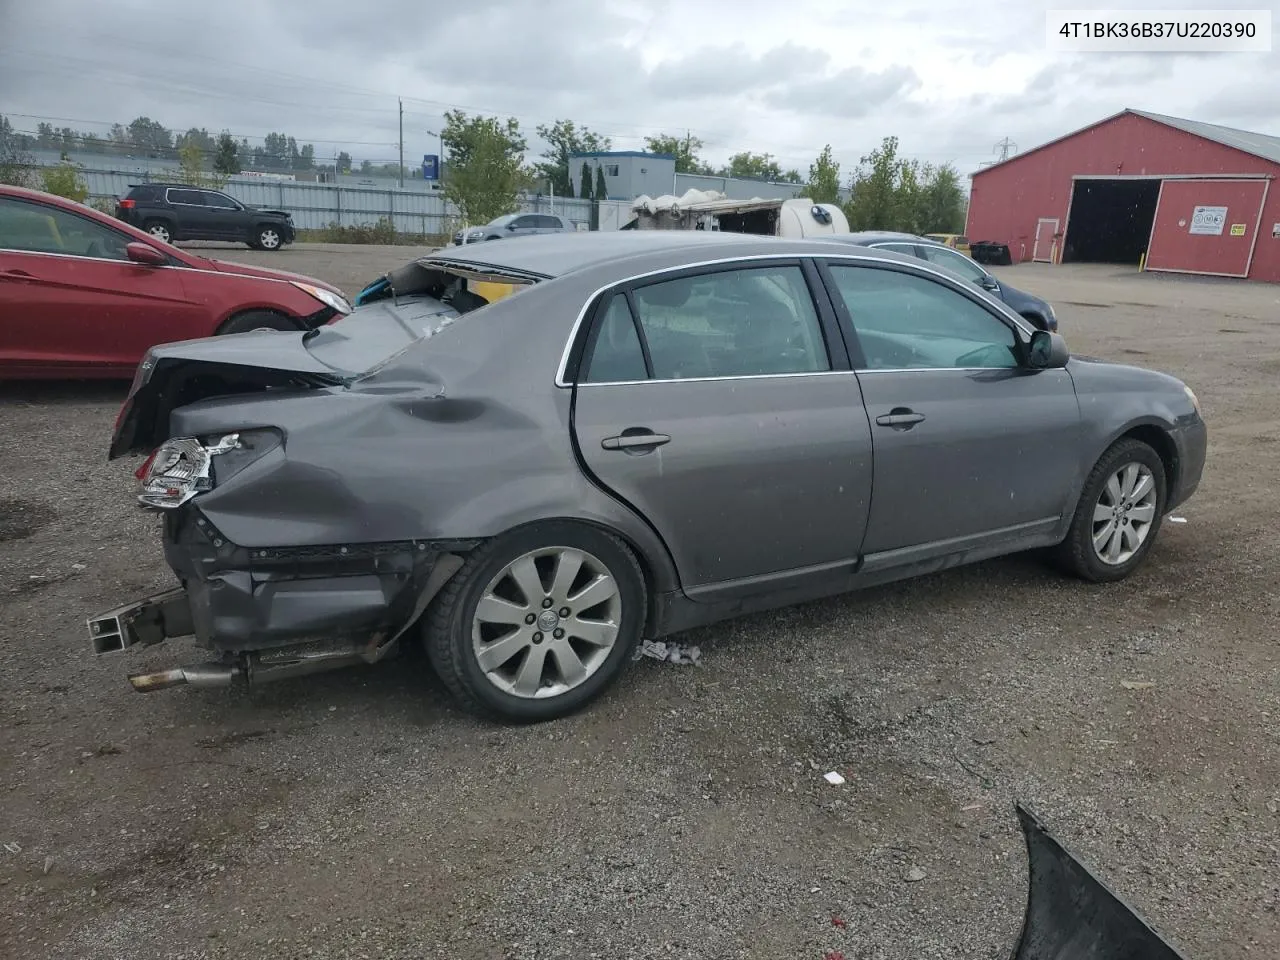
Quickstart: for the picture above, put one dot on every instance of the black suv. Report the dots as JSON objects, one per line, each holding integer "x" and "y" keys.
{"x": 174, "y": 211}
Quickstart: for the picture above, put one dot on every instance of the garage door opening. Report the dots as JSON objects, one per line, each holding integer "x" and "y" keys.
{"x": 1110, "y": 220}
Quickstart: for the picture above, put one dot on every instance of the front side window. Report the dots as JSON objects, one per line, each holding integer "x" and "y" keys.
{"x": 904, "y": 321}
{"x": 220, "y": 201}
{"x": 732, "y": 323}
{"x": 37, "y": 228}
{"x": 957, "y": 264}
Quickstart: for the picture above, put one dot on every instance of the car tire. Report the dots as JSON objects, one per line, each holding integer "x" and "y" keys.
{"x": 457, "y": 633}
{"x": 1112, "y": 514}
{"x": 267, "y": 237}
{"x": 252, "y": 320}
{"x": 159, "y": 229}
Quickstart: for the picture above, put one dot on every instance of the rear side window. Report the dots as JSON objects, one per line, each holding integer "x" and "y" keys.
{"x": 731, "y": 323}
{"x": 616, "y": 354}
{"x": 549, "y": 223}
{"x": 192, "y": 198}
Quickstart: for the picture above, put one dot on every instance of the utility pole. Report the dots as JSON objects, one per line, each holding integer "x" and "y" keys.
{"x": 401, "y": 102}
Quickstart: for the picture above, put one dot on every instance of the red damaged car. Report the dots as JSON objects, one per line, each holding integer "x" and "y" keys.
{"x": 84, "y": 295}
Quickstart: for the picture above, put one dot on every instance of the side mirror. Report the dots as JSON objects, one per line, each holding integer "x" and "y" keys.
{"x": 146, "y": 254}
{"x": 988, "y": 282}
{"x": 1047, "y": 350}
{"x": 511, "y": 225}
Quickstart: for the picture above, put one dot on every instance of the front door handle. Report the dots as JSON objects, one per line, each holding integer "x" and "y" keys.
{"x": 16, "y": 274}
{"x": 637, "y": 439}
{"x": 900, "y": 418}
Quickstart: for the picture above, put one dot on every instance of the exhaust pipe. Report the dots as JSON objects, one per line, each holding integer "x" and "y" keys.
{"x": 204, "y": 675}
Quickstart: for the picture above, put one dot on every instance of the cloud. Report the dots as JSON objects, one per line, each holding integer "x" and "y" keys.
{"x": 947, "y": 78}
{"x": 851, "y": 93}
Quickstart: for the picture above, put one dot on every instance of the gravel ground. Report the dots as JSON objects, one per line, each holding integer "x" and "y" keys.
{"x": 357, "y": 814}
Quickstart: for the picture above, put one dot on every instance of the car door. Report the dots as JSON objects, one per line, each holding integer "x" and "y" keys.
{"x": 711, "y": 402}
{"x": 961, "y": 266}
{"x": 72, "y": 301}
{"x": 972, "y": 449}
{"x": 194, "y": 219}
{"x": 524, "y": 225}
{"x": 223, "y": 216}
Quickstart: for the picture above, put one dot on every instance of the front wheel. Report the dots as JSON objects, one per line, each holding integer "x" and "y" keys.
{"x": 268, "y": 238}
{"x": 537, "y": 623}
{"x": 1118, "y": 515}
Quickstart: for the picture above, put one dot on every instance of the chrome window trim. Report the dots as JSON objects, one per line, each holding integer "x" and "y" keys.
{"x": 179, "y": 203}
{"x": 917, "y": 265}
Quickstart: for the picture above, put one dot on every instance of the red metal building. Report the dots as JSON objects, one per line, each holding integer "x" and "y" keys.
{"x": 1189, "y": 197}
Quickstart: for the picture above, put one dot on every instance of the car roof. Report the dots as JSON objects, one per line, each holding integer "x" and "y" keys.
{"x": 881, "y": 236}
{"x": 557, "y": 254}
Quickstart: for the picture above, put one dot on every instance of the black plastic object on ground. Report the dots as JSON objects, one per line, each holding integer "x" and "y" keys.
{"x": 1071, "y": 915}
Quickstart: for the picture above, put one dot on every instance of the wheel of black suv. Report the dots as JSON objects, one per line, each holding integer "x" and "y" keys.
{"x": 1118, "y": 515}
{"x": 159, "y": 229}
{"x": 268, "y": 238}
{"x": 257, "y": 320}
{"x": 537, "y": 623}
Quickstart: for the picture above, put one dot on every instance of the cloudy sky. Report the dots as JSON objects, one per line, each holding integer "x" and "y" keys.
{"x": 949, "y": 78}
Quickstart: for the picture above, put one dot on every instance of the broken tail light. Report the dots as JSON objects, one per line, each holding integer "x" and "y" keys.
{"x": 179, "y": 469}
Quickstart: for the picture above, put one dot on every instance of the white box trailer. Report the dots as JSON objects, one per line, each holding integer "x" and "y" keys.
{"x": 704, "y": 210}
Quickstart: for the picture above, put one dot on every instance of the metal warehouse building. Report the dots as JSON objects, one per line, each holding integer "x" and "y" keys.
{"x": 1192, "y": 197}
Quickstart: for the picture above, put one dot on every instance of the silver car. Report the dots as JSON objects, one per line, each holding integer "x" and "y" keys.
{"x": 643, "y": 433}
{"x": 515, "y": 225}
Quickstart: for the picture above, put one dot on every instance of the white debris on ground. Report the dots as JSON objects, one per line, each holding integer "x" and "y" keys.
{"x": 679, "y": 653}
{"x": 1177, "y": 519}
{"x": 833, "y": 778}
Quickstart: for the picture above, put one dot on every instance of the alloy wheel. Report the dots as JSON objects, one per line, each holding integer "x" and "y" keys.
{"x": 1124, "y": 514}
{"x": 546, "y": 622}
{"x": 159, "y": 231}
{"x": 269, "y": 239}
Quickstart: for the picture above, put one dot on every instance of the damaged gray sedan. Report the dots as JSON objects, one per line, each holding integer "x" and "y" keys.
{"x": 528, "y": 456}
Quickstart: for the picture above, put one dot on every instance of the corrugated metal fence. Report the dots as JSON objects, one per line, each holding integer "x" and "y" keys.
{"x": 318, "y": 205}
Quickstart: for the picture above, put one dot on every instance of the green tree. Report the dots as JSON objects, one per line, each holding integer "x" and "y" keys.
{"x": 824, "y": 178}
{"x": 64, "y": 180}
{"x": 303, "y": 158}
{"x": 150, "y": 137}
{"x": 366, "y": 168}
{"x": 226, "y": 158}
{"x": 602, "y": 188}
{"x": 684, "y": 149}
{"x": 15, "y": 162}
{"x": 585, "y": 182}
{"x": 564, "y": 138}
{"x": 200, "y": 137}
{"x": 941, "y": 201}
{"x": 486, "y": 158}
{"x": 874, "y": 190}
{"x": 343, "y": 162}
{"x": 752, "y": 166}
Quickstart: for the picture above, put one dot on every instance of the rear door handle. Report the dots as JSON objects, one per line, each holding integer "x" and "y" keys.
{"x": 900, "y": 418}
{"x": 635, "y": 438}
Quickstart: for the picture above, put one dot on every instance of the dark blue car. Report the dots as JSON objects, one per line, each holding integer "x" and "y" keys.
{"x": 1038, "y": 312}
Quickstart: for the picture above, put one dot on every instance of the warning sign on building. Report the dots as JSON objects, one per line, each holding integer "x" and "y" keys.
{"x": 1208, "y": 220}
{"x": 1237, "y": 229}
